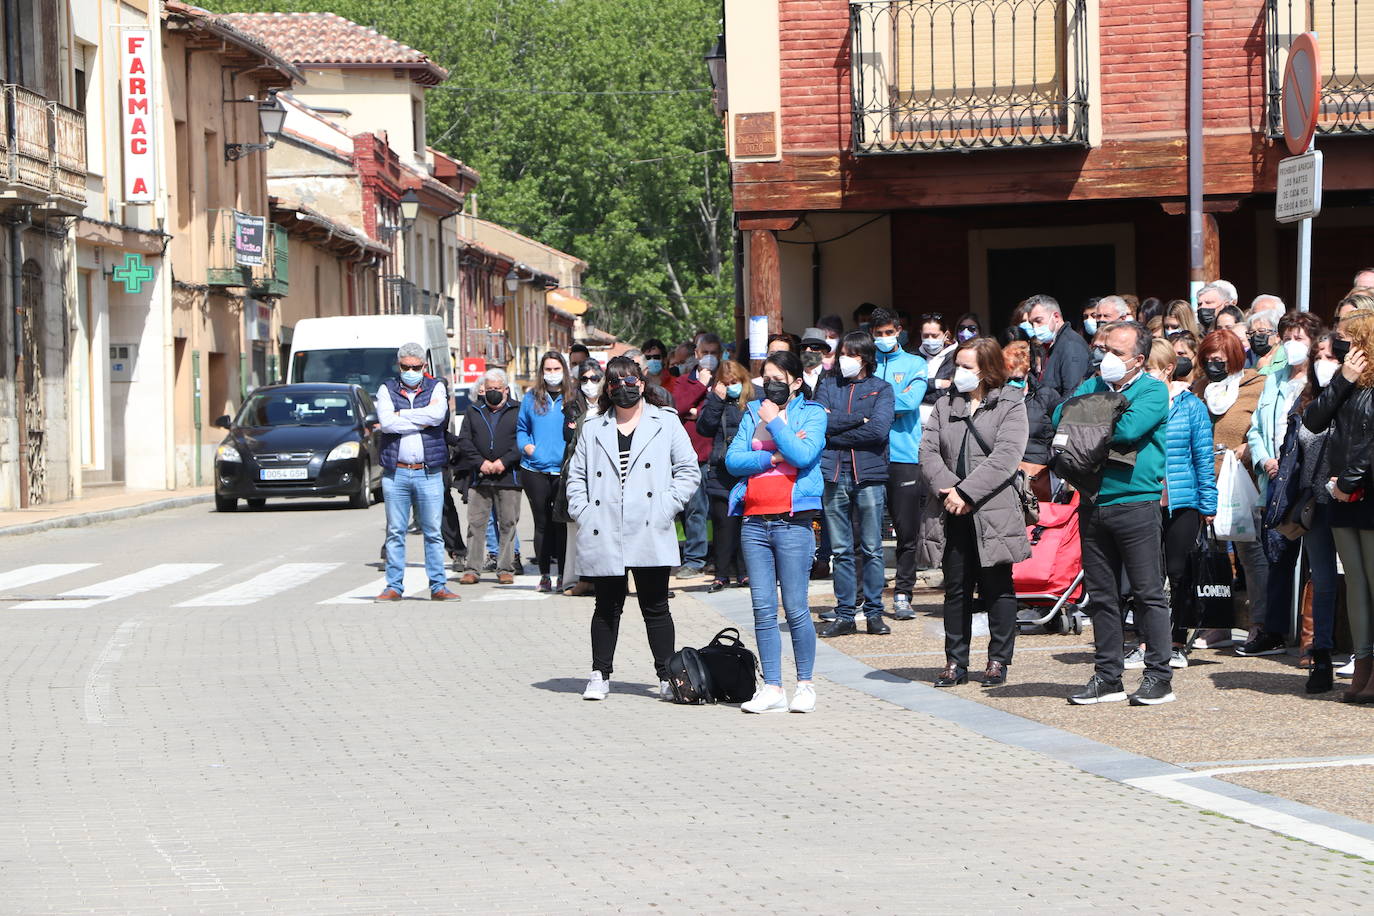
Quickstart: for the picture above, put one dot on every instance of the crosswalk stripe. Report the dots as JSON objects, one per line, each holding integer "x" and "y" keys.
{"x": 272, "y": 582}
{"x": 123, "y": 587}
{"x": 39, "y": 572}
{"x": 416, "y": 580}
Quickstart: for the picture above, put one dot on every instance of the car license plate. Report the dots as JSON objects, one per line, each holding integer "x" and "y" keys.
{"x": 284, "y": 473}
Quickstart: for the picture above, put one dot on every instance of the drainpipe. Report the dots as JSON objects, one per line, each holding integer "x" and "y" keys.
{"x": 16, "y": 260}
{"x": 443, "y": 283}
{"x": 1196, "y": 244}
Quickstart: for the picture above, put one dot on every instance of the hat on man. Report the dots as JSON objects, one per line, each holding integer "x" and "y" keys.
{"x": 814, "y": 337}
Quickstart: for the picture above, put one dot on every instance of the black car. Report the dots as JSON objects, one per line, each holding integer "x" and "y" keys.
{"x": 312, "y": 439}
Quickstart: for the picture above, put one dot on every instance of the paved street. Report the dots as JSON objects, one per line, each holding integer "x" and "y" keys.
{"x": 203, "y": 714}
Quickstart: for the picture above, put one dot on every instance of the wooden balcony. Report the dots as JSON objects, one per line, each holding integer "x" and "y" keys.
{"x": 45, "y": 164}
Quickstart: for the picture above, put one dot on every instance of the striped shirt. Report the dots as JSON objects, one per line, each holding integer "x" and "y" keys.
{"x": 625, "y": 441}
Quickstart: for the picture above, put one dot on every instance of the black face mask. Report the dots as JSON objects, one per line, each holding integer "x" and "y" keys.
{"x": 1340, "y": 348}
{"x": 494, "y": 398}
{"x": 1096, "y": 355}
{"x": 1216, "y": 370}
{"x": 1183, "y": 368}
{"x": 1206, "y": 316}
{"x": 626, "y": 396}
{"x": 1261, "y": 343}
{"x": 777, "y": 392}
{"x": 810, "y": 359}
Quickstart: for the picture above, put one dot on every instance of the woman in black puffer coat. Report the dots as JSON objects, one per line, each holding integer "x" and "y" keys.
{"x": 720, "y": 416}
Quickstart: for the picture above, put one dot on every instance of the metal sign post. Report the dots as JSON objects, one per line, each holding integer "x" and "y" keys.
{"x": 1299, "y": 196}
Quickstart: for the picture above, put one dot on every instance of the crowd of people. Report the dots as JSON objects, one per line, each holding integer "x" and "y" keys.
{"x": 1243, "y": 432}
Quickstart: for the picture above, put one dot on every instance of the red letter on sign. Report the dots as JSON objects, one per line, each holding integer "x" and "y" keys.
{"x": 138, "y": 86}
{"x": 136, "y": 66}
{"x": 140, "y": 186}
{"x": 138, "y": 146}
{"x": 137, "y": 106}
{"x": 135, "y": 42}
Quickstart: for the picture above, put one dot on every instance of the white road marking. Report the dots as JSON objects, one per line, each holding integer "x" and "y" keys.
{"x": 509, "y": 594}
{"x": 416, "y": 582}
{"x": 1297, "y": 765}
{"x": 272, "y": 582}
{"x": 124, "y": 587}
{"x": 100, "y": 681}
{"x": 39, "y": 572}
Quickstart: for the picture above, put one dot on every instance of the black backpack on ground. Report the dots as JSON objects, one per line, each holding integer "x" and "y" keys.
{"x": 731, "y": 667}
{"x": 689, "y": 678}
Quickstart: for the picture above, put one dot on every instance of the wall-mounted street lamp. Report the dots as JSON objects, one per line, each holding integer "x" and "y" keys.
{"x": 512, "y": 280}
{"x": 271, "y": 117}
{"x": 410, "y": 209}
{"x": 715, "y": 65}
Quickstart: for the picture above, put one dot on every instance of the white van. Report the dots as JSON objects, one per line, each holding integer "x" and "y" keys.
{"x": 361, "y": 349}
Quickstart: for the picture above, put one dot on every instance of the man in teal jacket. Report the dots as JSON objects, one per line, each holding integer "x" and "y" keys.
{"x": 908, "y": 376}
{"x": 1120, "y": 528}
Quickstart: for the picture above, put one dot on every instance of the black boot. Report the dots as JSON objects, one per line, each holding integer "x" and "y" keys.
{"x": 1321, "y": 678}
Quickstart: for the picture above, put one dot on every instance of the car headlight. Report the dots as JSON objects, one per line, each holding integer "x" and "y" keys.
{"x": 342, "y": 451}
{"x": 227, "y": 452}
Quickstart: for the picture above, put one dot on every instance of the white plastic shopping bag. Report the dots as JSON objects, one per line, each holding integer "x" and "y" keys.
{"x": 1237, "y": 502}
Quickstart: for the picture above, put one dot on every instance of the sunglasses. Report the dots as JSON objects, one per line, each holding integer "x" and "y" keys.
{"x": 628, "y": 381}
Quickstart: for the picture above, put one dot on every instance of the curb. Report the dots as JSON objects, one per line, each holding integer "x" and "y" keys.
{"x": 85, "y": 519}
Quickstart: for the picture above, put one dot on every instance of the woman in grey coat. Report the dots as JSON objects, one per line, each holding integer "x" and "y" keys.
{"x": 631, "y": 473}
{"x": 973, "y": 444}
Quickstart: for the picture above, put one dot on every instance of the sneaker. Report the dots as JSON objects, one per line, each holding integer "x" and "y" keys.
{"x": 665, "y": 691}
{"x": 1099, "y": 690}
{"x": 803, "y": 699}
{"x": 545, "y": 584}
{"x": 828, "y": 616}
{"x": 1263, "y": 644}
{"x": 490, "y": 565}
{"x": 1214, "y": 639}
{"x": 597, "y": 687}
{"x": 1135, "y": 659}
{"x": 1153, "y": 691}
{"x": 688, "y": 572}
{"x": 519, "y": 565}
{"x": 1348, "y": 669}
{"x": 901, "y": 607}
{"x": 1177, "y": 658}
{"x": 766, "y": 699}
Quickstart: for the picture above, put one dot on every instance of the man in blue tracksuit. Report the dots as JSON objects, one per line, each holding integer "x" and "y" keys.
{"x": 907, "y": 374}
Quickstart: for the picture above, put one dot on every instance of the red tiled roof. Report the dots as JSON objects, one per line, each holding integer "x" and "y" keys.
{"x": 329, "y": 40}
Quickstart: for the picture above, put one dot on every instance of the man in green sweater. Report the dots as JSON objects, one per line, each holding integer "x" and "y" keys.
{"x": 1120, "y": 528}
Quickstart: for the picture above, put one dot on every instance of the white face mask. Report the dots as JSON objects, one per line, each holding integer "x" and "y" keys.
{"x": 1113, "y": 369}
{"x": 1326, "y": 371}
{"x": 592, "y": 390}
{"x": 849, "y": 366}
{"x": 1297, "y": 351}
{"x": 832, "y": 342}
{"x": 965, "y": 380}
{"x": 553, "y": 379}
{"x": 932, "y": 346}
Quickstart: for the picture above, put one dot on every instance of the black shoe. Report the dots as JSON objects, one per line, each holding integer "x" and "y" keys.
{"x": 952, "y": 676}
{"x": 1264, "y": 644}
{"x": 1099, "y": 690}
{"x": 839, "y": 628}
{"x": 1322, "y": 677}
{"x": 820, "y": 571}
{"x": 995, "y": 675}
{"x": 878, "y": 627}
{"x": 828, "y": 616}
{"x": 717, "y": 585}
{"x": 1153, "y": 691}
{"x": 490, "y": 565}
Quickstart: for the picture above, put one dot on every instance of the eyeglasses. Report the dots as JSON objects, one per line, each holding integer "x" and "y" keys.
{"x": 628, "y": 381}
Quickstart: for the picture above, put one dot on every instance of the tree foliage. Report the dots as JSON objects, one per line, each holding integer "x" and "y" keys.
{"x": 621, "y": 181}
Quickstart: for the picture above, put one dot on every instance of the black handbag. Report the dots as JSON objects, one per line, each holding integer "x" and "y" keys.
{"x": 1214, "y": 606}
{"x": 689, "y": 678}
{"x": 730, "y": 665}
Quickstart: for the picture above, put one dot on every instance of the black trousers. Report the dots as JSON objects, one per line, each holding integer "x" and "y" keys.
{"x": 963, "y": 573}
{"x": 1180, "y": 538}
{"x": 725, "y": 533}
{"x": 452, "y": 526}
{"x": 1125, "y": 537}
{"x": 651, "y": 584}
{"x": 550, "y": 537}
{"x": 904, "y": 497}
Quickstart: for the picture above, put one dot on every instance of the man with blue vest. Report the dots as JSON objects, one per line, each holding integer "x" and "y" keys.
{"x": 908, "y": 376}
{"x": 413, "y": 414}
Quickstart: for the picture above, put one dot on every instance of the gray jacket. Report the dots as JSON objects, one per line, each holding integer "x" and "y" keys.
{"x": 623, "y": 527}
{"x": 997, "y": 516}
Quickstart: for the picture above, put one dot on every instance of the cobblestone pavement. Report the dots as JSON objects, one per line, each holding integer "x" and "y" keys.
{"x": 189, "y": 729}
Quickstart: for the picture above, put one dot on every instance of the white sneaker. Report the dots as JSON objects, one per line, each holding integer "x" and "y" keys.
{"x": 1348, "y": 669}
{"x": 597, "y": 687}
{"x": 803, "y": 699}
{"x": 1177, "y": 659}
{"x": 1135, "y": 659}
{"x": 766, "y": 699}
{"x": 665, "y": 691}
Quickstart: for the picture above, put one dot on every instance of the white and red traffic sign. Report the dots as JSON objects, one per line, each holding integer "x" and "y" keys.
{"x": 1300, "y": 104}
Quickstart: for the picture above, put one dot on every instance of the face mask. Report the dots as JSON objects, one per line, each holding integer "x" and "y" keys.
{"x": 931, "y": 346}
{"x": 810, "y": 359}
{"x": 411, "y": 377}
{"x": 734, "y": 390}
{"x": 553, "y": 379}
{"x": 653, "y": 366}
{"x": 885, "y": 344}
{"x": 1261, "y": 343}
{"x": 1028, "y": 329}
{"x": 1297, "y": 351}
{"x": 965, "y": 380}
{"x": 777, "y": 392}
{"x": 709, "y": 362}
{"x": 1044, "y": 334}
{"x": 592, "y": 390}
{"x": 1340, "y": 348}
{"x": 1096, "y": 356}
{"x": 832, "y": 342}
{"x": 1016, "y": 382}
{"x": 1215, "y": 370}
{"x": 849, "y": 366}
{"x": 1090, "y": 326}
{"x": 1113, "y": 369}
{"x": 626, "y": 396}
{"x": 966, "y": 334}
{"x": 494, "y": 398}
{"x": 1183, "y": 368}
{"x": 1171, "y": 333}
{"x": 1325, "y": 371}
{"x": 902, "y": 339}
{"x": 1206, "y": 316}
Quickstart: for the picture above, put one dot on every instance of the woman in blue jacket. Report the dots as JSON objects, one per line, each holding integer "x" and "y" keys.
{"x": 776, "y": 453}
{"x": 539, "y": 433}
{"x": 1190, "y": 493}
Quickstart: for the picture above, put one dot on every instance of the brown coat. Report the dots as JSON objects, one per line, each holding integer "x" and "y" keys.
{"x": 1230, "y": 429}
{"x": 997, "y": 516}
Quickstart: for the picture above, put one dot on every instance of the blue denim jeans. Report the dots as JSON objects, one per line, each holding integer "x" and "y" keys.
{"x": 1321, "y": 560}
{"x": 494, "y": 539}
{"x": 779, "y": 554}
{"x": 840, "y": 496}
{"x": 694, "y": 516}
{"x": 402, "y": 490}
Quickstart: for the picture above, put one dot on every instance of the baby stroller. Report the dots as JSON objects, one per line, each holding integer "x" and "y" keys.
{"x": 1049, "y": 585}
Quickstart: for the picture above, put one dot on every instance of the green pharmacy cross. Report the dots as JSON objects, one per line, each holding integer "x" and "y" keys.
{"x": 133, "y": 273}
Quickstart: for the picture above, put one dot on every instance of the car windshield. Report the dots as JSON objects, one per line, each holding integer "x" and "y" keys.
{"x": 368, "y": 367}
{"x": 304, "y": 408}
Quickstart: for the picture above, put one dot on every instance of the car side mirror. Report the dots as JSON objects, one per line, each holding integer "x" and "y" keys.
{"x": 371, "y": 420}
{"x": 223, "y": 421}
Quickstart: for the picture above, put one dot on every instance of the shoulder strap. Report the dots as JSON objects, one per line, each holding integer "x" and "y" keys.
{"x": 982, "y": 443}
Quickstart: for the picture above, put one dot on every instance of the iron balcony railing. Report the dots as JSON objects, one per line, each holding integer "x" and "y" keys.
{"x": 1345, "y": 36}
{"x": 398, "y": 295}
{"x": 931, "y": 75}
{"x": 269, "y": 279}
{"x": 47, "y": 158}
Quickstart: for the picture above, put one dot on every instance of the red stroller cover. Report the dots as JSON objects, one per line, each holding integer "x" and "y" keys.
{"x": 1056, "y": 554}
